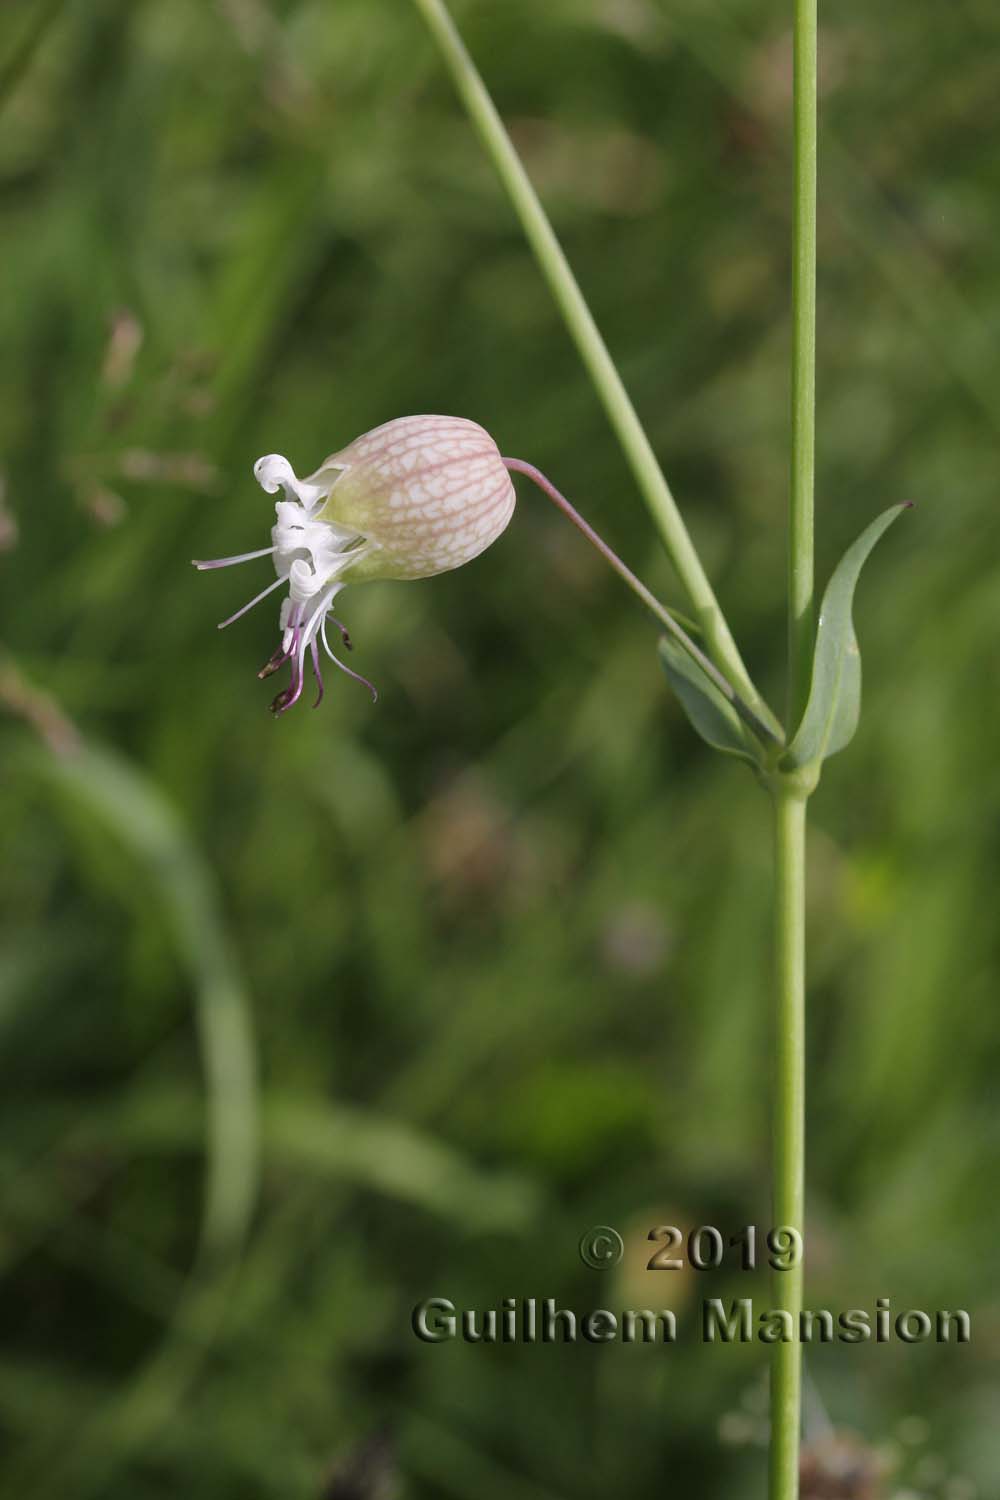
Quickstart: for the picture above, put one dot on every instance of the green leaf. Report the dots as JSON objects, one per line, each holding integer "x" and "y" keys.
{"x": 714, "y": 719}
{"x": 834, "y": 705}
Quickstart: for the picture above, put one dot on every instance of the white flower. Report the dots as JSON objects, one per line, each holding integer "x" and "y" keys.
{"x": 415, "y": 497}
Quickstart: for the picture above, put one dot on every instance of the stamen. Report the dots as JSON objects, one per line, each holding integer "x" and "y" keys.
{"x": 273, "y": 662}
{"x": 346, "y": 669}
{"x": 291, "y": 616}
{"x": 293, "y": 692}
{"x": 348, "y": 643}
{"x": 316, "y": 671}
{"x": 228, "y": 562}
{"x": 277, "y": 584}
{"x": 297, "y": 651}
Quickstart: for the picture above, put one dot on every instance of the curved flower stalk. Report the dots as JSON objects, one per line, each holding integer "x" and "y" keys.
{"x": 415, "y": 497}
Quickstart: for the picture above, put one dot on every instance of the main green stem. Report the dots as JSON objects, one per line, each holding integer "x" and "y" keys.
{"x": 594, "y": 353}
{"x": 789, "y": 1124}
{"x": 790, "y": 799}
{"x": 800, "y": 516}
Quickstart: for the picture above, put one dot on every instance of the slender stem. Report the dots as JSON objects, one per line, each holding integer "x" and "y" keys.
{"x": 649, "y": 599}
{"x": 593, "y": 351}
{"x": 800, "y": 541}
{"x": 789, "y": 1125}
{"x": 790, "y": 800}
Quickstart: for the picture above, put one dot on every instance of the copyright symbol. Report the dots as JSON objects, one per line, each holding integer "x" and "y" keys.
{"x": 601, "y": 1247}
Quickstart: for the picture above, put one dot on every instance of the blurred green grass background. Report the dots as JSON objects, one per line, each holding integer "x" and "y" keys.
{"x": 488, "y": 962}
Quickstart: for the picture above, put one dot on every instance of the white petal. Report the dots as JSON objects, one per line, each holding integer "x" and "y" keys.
{"x": 273, "y": 472}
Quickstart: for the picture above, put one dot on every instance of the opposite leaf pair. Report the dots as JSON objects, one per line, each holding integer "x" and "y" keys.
{"x": 834, "y": 704}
